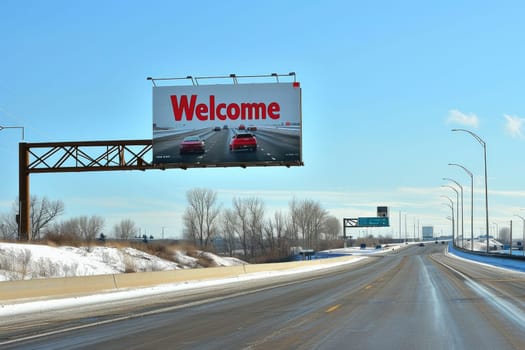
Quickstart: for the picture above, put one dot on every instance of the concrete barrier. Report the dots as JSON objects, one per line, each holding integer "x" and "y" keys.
{"x": 56, "y": 287}
{"x": 145, "y": 279}
{"x": 84, "y": 285}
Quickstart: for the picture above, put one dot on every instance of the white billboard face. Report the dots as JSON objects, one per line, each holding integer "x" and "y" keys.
{"x": 227, "y": 125}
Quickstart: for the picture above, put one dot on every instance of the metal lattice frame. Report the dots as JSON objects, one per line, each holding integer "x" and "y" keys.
{"x": 88, "y": 156}
{"x": 54, "y": 157}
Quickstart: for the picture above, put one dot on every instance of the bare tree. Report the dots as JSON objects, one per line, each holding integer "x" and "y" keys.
{"x": 8, "y": 226}
{"x": 504, "y": 235}
{"x": 308, "y": 217}
{"x": 126, "y": 229}
{"x": 82, "y": 227}
{"x": 249, "y": 214}
{"x": 229, "y": 225}
{"x": 42, "y": 212}
{"x": 332, "y": 227}
{"x": 255, "y": 209}
{"x": 200, "y": 217}
{"x": 276, "y": 234}
{"x": 70, "y": 228}
{"x": 241, "y": 211}
{"x": 90, "y": 227}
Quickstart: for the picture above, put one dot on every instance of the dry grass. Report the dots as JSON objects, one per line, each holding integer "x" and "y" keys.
{"x": 160, "y": 250}
{"x": 62, "y": 239}
{"x": 202, "y": 259}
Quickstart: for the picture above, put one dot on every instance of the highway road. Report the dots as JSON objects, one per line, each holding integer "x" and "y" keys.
{"x": 414, "y": 298}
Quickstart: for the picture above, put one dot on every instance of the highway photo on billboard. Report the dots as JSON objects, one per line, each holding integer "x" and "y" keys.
{"x": 227, "y": 125}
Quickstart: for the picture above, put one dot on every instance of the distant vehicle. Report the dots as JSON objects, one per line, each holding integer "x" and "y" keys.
{"x": 242, "y": 127}
{"x": 191, "y": 144}
{"x": 252, "y": 128}
{"x": 243, "y": 141}
{"x": 436, "y": 242}
{"x": 421, "y": 244}
{"x": 225, "y": 127}
{"x": 442, "y": 242}
{"x": 217, "y": 128}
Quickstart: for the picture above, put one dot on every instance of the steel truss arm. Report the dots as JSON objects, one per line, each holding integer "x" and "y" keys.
{"x": 88, "y": 156}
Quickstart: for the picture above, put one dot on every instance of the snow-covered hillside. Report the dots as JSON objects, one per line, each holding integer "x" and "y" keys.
{"x": 28, "y": 261}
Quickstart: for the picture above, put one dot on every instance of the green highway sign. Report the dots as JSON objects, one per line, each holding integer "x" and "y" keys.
{"x": 376, "y": 221}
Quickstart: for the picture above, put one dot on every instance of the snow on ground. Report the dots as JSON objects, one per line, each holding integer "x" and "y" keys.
{"x": 494, "y": 260}
{"x": 28, "y": 261}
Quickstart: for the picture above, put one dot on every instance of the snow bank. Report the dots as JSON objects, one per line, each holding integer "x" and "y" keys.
{"x": 29, "y": 261}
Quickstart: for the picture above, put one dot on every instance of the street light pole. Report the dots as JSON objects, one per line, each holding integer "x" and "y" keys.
{"x": 406, "y": 237}
{"x": 21, "y": 208}
{"x": 462, "y": 221}
{"x": 523, "y": 239}
{"x": 400, "y": 239}
{"x": 457, "y": 209}
{"x": 471, "y": 203}
{"x": 13, "y": 127}
{"x": 451, "y": 205}
{"x": 484, "y": 144}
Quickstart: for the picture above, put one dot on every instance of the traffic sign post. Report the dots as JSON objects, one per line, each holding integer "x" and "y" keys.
{"x": 375, "y": 221}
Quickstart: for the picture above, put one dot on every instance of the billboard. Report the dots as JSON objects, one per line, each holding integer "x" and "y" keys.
{"x": 227, "y": 125}
{"x": 428, "y": 232}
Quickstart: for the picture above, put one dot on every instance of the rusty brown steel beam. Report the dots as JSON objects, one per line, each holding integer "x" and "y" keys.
{"x": 112, "y": 158}
{"x": 23, "y": 193}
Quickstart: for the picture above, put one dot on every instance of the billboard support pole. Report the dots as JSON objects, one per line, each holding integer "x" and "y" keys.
{"x": 59, "y": 157}
{"x": 23, "y": 192}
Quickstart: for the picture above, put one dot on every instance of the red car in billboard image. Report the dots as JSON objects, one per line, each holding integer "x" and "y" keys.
{"x": 191, "y": 144}
{"x": 243, "y": 141}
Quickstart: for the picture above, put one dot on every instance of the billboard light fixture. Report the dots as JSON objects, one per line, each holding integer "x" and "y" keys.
{"x": 179, "y": 78}
{"x": 192, "y": 81}
{"x": 233, "y": 76}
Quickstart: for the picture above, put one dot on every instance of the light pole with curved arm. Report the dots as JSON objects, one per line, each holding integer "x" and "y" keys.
{"x": 523, "y": 239}
{"x": 484, "y": 144}
{"x": 471, "y": 203}
{"x": 451, "y": 206}
{"x": 457, "y": 209}
{"x": 462, "y": 221}
{"x": 13, "y": 127}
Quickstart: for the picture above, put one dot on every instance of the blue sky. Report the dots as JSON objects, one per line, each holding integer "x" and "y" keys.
{"x": 383, "y": 83}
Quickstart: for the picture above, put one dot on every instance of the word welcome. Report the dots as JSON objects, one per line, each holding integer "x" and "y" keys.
{"x": 222, "y": 111}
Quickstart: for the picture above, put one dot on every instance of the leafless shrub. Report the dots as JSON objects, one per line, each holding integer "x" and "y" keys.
{"x": 25, "y": 258}
{"x": 129, "y": 263}
{"x": 126, "y": 229}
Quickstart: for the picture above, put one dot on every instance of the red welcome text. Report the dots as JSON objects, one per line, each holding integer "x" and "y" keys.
{"x": 182, "y": 106}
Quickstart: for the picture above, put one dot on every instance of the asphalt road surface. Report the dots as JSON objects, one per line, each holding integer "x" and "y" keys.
{"x": 415, "y": 298}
